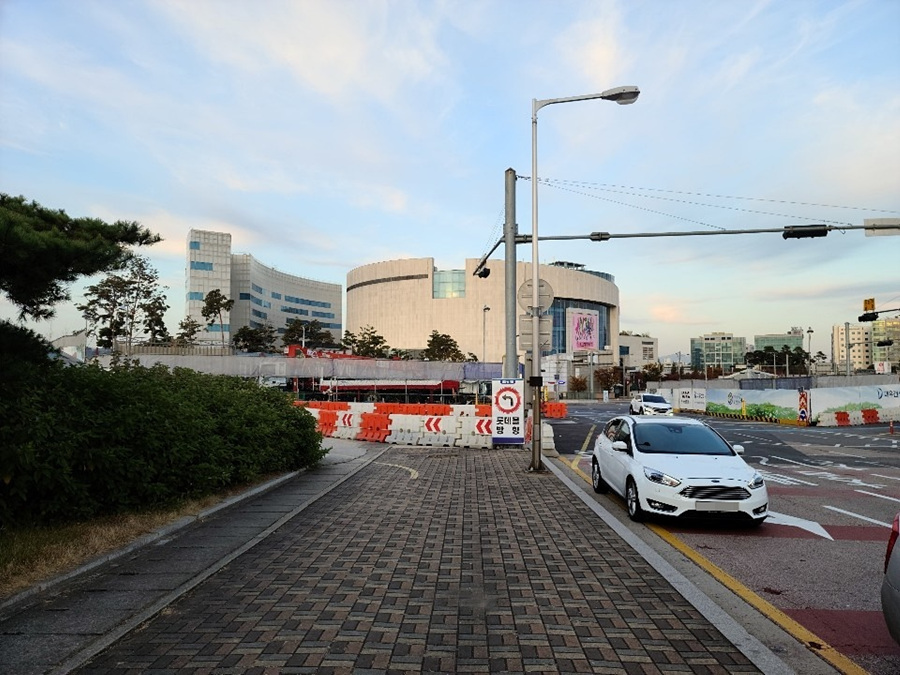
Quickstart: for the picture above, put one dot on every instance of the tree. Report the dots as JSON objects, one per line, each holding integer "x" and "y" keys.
{"x": 367, "y": 343}
{"x": 260, "y": 339}
{"x": 578, "y": 384}
{"x": 44, "y": 250}
{"x": 608, "y": 378}
{"x": 308, "y": 333}
{"x": 215, "y": 304}
{"x": 442, "y": 347}
{"x": 124, "y": 306}
{"x": 187, "y": 332}
{"x": 652, "y": 372}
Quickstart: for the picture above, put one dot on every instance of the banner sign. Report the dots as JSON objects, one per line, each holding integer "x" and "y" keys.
{"x": 585, "y": 331}
{"x": 508, "y": 411}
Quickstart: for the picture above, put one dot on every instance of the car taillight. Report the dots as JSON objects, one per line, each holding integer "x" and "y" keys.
{"x": 895, "y": 531}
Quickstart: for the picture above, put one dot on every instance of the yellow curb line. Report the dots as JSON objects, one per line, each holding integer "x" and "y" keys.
{"x": 808, "y": 638}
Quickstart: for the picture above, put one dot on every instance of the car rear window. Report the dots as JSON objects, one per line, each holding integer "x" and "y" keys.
{"x": 679, "y": 439}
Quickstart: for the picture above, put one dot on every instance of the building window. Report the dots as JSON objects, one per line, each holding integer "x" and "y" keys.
{"x": 195, "y": 295}
{"x": 276, "y": 296}
{"x": 251, "y": 298}
{"x": 324, "y": 315}
{"x": 195, "y": 245}
{"x": 205, "y": 266}
{"x": 257, "y": 313}
{"x": 257, "y": 289}
{"x": 449, "y": 284}
{"x": 215, "y": 328}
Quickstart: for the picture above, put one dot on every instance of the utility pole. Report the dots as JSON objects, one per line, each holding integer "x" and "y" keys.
{"x": 511, "y": 363}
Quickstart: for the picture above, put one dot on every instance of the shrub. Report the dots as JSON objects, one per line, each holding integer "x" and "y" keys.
{"x": 82, "y": 441}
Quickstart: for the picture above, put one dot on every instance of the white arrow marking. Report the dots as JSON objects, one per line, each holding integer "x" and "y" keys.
{"x": 791, "y": 521}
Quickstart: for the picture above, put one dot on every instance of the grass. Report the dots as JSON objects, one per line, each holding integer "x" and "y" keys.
{"x": 32, "y": 555}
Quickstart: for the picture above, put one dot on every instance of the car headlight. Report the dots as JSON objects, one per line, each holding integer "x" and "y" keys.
{"x": 756, "y": 482}
{"x": 659, "y": 477}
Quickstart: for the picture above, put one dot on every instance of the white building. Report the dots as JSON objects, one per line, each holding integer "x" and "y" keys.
{"x": 858, "y": 338}
{"x": 262, "y": 295}
{"x": 405, "y": 300}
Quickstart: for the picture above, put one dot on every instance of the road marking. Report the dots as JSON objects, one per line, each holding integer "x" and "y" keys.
{"x": 856, "y": 515}
{"x": 588, "y": 439}
{"x": 412, "y": 472}
{"x": 878, "y": 475}
{"x": 875, "y": 494}
{"x": 791, "y": 521}
{"x": 802, "y": 634}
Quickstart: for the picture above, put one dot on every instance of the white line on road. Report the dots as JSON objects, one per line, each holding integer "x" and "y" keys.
{"x": 875, "y": 494}
{"x": 856, "y": 515}
{"x": 878, "y": 475}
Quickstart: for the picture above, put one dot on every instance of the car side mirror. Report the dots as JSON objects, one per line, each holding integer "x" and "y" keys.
{"x": 620, "y": 445}
{"x": 739, "y": 449}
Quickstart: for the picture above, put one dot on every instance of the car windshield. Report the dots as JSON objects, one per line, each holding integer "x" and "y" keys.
{"x": 679, "y": 439}
{"x": 653, "y": 398}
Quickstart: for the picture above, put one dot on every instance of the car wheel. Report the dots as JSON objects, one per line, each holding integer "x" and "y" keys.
{"x": 633, "y": 502}
{"x": 597, "y": 481}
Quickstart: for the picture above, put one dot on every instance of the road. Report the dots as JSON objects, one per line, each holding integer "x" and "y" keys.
{"x": 815, "y": 567}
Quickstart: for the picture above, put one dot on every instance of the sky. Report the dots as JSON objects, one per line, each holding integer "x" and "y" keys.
{"x": 325, "y": 135}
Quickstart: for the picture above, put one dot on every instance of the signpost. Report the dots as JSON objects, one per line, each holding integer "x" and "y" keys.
{"x": 508, "y": 411}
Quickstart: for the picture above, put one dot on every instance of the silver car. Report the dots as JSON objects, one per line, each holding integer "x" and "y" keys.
{"x": 649, "y": 404}
{"x": 890, "y": 587}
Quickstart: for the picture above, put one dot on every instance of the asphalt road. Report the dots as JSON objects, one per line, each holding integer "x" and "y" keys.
{"x": 815, "y": 567}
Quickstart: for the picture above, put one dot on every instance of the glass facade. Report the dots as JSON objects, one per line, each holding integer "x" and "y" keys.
{"x": 449, "y": 284}
{"x": 559, "y": 335}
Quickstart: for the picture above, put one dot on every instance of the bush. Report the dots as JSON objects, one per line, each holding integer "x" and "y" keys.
{"x": 82, "y": 441}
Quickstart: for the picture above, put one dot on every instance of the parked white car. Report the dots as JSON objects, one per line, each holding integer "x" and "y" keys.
{"x": 649, "y": 404}
{"x": 676, "y": 466}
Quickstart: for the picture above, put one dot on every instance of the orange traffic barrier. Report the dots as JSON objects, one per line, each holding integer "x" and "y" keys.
{"x": 843, "y": 418}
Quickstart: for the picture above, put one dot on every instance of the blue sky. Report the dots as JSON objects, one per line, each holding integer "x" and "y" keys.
{"x": 327, "y": 135}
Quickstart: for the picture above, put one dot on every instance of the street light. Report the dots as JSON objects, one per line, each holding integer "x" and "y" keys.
{"x": 809, "y": 349}
{"x": 622, "y": 96}
{"x": 484, "y": 311}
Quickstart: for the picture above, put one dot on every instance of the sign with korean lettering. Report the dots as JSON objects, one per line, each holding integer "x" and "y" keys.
{"x": 508, "y": 411}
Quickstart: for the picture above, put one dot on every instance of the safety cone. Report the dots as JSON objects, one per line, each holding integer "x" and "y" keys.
{"x": 892, "y": 426}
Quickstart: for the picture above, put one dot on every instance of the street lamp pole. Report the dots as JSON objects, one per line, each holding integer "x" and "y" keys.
{"x": 622, "y": 96}
{"x": 809, "y": 350}
{"x": 484, "y": 311}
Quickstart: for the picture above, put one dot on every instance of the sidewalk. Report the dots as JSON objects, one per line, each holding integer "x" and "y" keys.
{"x": 386, "y": 558}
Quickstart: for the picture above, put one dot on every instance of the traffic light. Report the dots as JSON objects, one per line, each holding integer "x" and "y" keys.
{"x": 804, "y": 231}
{"x": 884, "y": 343}
{"x": 868, "y": 316}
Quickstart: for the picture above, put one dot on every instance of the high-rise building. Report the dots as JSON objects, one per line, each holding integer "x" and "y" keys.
{"x": 718, "y": 350}
{"x": 854, "y": 338}
{"x": 262, "y": 295}
{"x": 777, "y": 341}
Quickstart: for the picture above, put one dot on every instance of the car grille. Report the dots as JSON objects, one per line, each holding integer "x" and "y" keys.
{"x": 715, "y": 492}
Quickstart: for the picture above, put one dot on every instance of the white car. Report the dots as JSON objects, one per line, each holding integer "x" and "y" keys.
{"x": 649, "y": 404}
{"x": 676, "y": 466}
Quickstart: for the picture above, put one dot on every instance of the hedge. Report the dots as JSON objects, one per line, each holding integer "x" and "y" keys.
{"x": 78, "y": 442}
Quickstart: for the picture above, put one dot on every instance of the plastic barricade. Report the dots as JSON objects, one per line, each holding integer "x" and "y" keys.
{"x": 870, "y": 416}
{"x": 842, "y": 418}
{"x": 346, "y": 424}
{"x": 374, "y": 427}
{"x": 327, "y": 422}
{"x": 439, "y": 431}
{"x": 405, "y": 429}
{"x": 474, "y": 432}
{"x": 483, "y": 410}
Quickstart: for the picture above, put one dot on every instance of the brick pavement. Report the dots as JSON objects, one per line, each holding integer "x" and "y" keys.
{"x": 433, "y": 560}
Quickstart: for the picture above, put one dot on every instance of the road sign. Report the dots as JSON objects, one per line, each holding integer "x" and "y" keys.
{"x": 508, "y": 411}
{"x": 525, "y": 295}
{"x": 869, "y": 305}
{"x": 525, "y": 327}
{"x": 803, "y": 407}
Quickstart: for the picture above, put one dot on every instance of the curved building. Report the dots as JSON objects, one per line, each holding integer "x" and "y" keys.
{"x": 405, "y": 300}
{"x": 262, "y": 295}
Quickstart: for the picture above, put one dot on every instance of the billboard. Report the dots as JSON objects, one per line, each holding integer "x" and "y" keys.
{"x": 584, "y": 330}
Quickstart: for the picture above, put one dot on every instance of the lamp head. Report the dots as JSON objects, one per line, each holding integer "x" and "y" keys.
{"x": 622, "y": 95}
